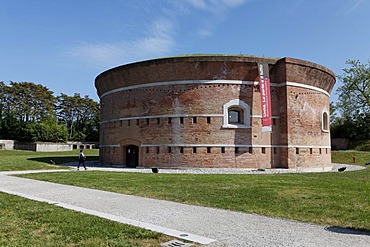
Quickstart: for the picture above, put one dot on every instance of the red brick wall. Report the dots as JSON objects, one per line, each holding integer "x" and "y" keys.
{"x": 131, "y": 116}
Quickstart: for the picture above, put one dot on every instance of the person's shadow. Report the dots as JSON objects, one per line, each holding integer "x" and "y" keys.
{"x": 343, "y": 230}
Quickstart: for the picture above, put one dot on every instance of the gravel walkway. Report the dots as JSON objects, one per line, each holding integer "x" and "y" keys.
{"x": 208, "y": 226}
{"x": 94, "y": 165}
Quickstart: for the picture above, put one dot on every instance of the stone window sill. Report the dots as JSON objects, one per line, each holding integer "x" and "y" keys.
{"x": 236, "y": 126}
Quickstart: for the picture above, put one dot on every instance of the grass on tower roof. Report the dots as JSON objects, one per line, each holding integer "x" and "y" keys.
{"x": 220, "y": 55}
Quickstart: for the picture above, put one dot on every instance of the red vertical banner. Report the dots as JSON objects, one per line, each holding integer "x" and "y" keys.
{"x": 264, "y": 83}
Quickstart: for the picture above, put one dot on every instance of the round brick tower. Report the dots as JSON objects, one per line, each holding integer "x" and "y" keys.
{"x": 206, "y": 111}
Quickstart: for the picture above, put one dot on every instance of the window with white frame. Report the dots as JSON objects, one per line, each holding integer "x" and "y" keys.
{"x": 236, "y": 114}
{"x": 325, "y": 121}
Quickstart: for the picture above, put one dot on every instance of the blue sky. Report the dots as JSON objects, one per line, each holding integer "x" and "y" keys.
{"x": 65, "y": 44}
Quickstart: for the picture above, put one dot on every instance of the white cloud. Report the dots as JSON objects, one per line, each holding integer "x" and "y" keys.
{"x": 159, "y": 41}
{"x": 201, "y": 4}
{"x": 233, "y": 3}
{"x": 218, "y": 10}
{"x": 216, "y": 6}
{"x": 206, "y": 31}
{"x": 354, "y": 5}
{"x": 159, "y": 38}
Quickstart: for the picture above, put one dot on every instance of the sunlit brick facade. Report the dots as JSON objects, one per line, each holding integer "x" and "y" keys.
{"x": 205, "y": 111}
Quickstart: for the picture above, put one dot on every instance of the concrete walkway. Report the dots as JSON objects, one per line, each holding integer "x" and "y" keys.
{"x": 208, "y": 226}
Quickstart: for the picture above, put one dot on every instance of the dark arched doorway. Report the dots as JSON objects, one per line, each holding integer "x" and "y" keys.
{"x": 132, "y": 156}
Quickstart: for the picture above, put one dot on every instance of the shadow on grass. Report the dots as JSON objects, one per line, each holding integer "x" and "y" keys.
{"x": 61, "y": 160}
{"x": 67, "y": 161}
{"x": 343, "y": 230}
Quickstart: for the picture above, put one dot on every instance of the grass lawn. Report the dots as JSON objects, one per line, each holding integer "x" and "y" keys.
{"x": 25, "y": 222}
{"x": 16, "y": 160}
{"x": 346, "y": 157}
{"x": 335, "y": 199}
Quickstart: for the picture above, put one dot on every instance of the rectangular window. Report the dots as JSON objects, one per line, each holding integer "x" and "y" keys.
{"x": 158, "y": 120}
{"x": 181, "y": 120}
{"x": 194, "y": 120}
{"x": 209, "y": 150}
{"x": 194, "y": 150}
{"x": 158, "y": 150}
{"x": 137, "y": 121}
{"x": 121, "y": 123}
{"x": 169, "y": 150}
{"x": 208, "y": 120}
{"x": 128, "y": 123}
{"x": 320, "y": 150}
{"x": 236, "y": 150}
{"x": 263, "y": 150}
{"x": 273, "y": 121}
{"x": 310, "y": 150}
{"x": 223, "y": 150}
{"x": 297, "y": 150}
{"x": 250, "y": 150}
{"x": 275, "y": 150}
{"x": 181, "y": 150}
{"x": 147, "y": 150}
{"x": 169, "y": 120}
{"x": 147, "y": 121}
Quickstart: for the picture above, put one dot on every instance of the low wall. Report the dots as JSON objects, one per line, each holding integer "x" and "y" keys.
{"x": 6, "y": 144}
{"x": 339, "y": 143}
{"x": 43, "y": 147}
{"x": 53, "y": 147}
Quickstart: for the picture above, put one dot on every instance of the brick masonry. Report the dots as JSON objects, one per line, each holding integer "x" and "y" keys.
{"x": 172, "y": 110}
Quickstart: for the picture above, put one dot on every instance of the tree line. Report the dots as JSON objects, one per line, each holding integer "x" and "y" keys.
{"x": 350, "y": 115}
{"x": 31, "y": 112}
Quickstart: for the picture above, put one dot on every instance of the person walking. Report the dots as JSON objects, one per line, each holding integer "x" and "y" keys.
{"x": 81, "y": 160}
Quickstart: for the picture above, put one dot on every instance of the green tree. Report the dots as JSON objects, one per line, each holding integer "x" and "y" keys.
{"x": 9, "y": 124}
{"x": 30, "y": 102}
{"x": 81, "y": 115}
{"x": 354, "y": 94}
{"x": 30, "y": 112}
{"x": 2, "y": 104}
{"x": 48, "y": 130}
{"x": 353, "y": 104}
{"x": 22, "y": 103}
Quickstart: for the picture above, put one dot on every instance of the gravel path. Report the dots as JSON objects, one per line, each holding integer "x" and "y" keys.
{"x": 94, "y": 165}
{"x": 208, "y": 226}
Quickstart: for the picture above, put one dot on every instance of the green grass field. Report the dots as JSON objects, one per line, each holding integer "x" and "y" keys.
{"x": 24, "y": 222}
{"x": 28, "y": 223}
{"x": 346, "y": 157}
{"x": 16, "y": 160}
{"x": 333, "y": 199}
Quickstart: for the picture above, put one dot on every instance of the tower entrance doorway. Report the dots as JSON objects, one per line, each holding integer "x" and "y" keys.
{"x": 132, "y": 156}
